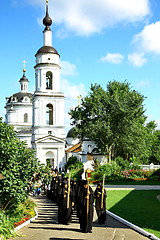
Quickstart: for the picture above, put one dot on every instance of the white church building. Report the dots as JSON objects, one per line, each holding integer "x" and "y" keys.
{"x": 38, "y": 118}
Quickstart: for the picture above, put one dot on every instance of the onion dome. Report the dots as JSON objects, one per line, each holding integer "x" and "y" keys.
{"x": 47, "y": 49}
{"x": 47, "y": 21}
{"x": 71, "y": 133}
{"x": 23, "y": 78}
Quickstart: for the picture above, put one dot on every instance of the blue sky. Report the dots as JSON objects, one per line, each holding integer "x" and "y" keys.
{"x": 99, "y": 41}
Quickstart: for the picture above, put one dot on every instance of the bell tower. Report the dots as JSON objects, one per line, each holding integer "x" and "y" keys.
{"x": 48, "y": 100}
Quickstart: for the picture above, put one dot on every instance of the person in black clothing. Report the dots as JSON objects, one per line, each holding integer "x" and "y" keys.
{"x": 73, "y": 187}
{"x": 64, "y": 211}
{"x": 86, "y": 211}
{"x": 100, "y": 204}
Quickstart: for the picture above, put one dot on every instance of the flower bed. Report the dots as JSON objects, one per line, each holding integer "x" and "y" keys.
{"x": 140, "y": 179}
{"x": 24, "y": 219}
{"x": 136, "y": 174}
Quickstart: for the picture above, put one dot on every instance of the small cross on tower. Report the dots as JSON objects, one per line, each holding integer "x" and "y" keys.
{"x": 24, "y": 65}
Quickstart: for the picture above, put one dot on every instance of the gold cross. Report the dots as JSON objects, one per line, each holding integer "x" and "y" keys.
{"x": 24, "y": 65}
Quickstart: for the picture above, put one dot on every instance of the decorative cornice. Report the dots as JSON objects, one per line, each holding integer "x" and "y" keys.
{"x": 46, "y": 64}
{"x": 40, "y": 94}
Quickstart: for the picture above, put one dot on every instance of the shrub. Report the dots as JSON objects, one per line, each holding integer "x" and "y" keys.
{"x": 124, "y": 164}
{"x": 13, "y": 217}
{"x": 76, "y": 173}
{"x": 154, "y": 178}
{"x": 138, "y": 173}
{"x": 121, "y": 170}
{"x": 111, "y": 171}
{"x": 75, "y": 167}
{"x": 71, "y": 161}
{"x": 17, "y": 164}
{"x": 6, "y": 226}
{"x": 156, "y": 173}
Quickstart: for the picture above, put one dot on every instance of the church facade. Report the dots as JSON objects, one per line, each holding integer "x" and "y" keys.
{"x": 38, "y": 118}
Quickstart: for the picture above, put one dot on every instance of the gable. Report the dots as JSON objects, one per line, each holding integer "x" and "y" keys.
{"x": 50, "y": 139}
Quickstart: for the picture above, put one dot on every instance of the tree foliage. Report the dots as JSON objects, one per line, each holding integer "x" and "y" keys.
{"x": 73, "y": 163}
{"x": 114, "y": 118}
{"x": 17, "y": 165}
{"x": 155, "y": 147}
{"x": 75, "y": 167}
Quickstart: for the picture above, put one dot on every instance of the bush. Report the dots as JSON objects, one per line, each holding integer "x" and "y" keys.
{"x": 6, "y": 226}
{"x": 111, "y": 171}
{"x": 132, "y": 174}
{"x": 17, "y": 164}
{"x": 71, "y": 161}
{"x": 75, "y": 167}
{"x": 122, "y": 170}
{"x": 124, "y": 164}
{"x": 154, "y": 178}
{"x": 8, "y": 218}
{"x": 156, "y": 173}
{"x": 76, "y": 173}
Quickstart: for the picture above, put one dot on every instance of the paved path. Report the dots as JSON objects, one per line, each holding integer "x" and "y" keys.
{"x": 45, "y": 227}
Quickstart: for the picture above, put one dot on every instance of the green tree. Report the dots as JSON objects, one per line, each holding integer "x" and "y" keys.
{"x": 113, "y": 118}
{"x": 75, "y": 167}
{"x": 17, "y": 164}
{"x": 155, "y": 148}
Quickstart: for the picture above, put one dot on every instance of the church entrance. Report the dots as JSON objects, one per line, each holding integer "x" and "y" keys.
{"x": 50, "y": 159}
{"x": 50, "y": 162}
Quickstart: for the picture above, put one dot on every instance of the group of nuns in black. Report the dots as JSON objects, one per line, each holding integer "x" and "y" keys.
{"x": 78, "y": 197}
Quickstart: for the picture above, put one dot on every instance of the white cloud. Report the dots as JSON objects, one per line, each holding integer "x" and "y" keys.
{"x": 137, "y": 59}
{"x": 71, "y": 93}
{"x": 85, "y": 17}
{"x": 148, "y": 40}
{"x": 151, "y": 118}
{"x": 145, "y": 43}
{"x": 158, "y": 124}
{"x": 68, "y": 69}
{"x": 115, "y": 58}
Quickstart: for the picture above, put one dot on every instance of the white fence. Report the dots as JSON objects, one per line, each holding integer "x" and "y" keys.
{"x": 149, "y": 167}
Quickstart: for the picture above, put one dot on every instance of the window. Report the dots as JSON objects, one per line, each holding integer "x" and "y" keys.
{"x": 49, "y": 80}
{"x": 49, "y": 132}
{"x": 49, "y": 114}
{"x": 25, "y": 117}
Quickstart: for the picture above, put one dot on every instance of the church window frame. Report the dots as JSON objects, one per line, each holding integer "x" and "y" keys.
{"x": 49, "y": 114}
{"x": 26, "y": 117}
{"x": 49, "y": 80}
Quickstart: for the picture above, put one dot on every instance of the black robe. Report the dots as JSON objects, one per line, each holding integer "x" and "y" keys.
{"x": 64, "y": 213}
{"x": 78, "y": 199}
{"x": 101, "y": 210}
{"x": 86, "y": 211}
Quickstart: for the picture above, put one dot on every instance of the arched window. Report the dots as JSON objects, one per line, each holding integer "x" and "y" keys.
{"x": 49, "y": 80}
{"x": 25, "y": 117}
{"x": 49, "y": 114}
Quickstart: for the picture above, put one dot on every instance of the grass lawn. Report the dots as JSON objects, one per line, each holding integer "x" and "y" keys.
{"x": 139, "y": 207}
